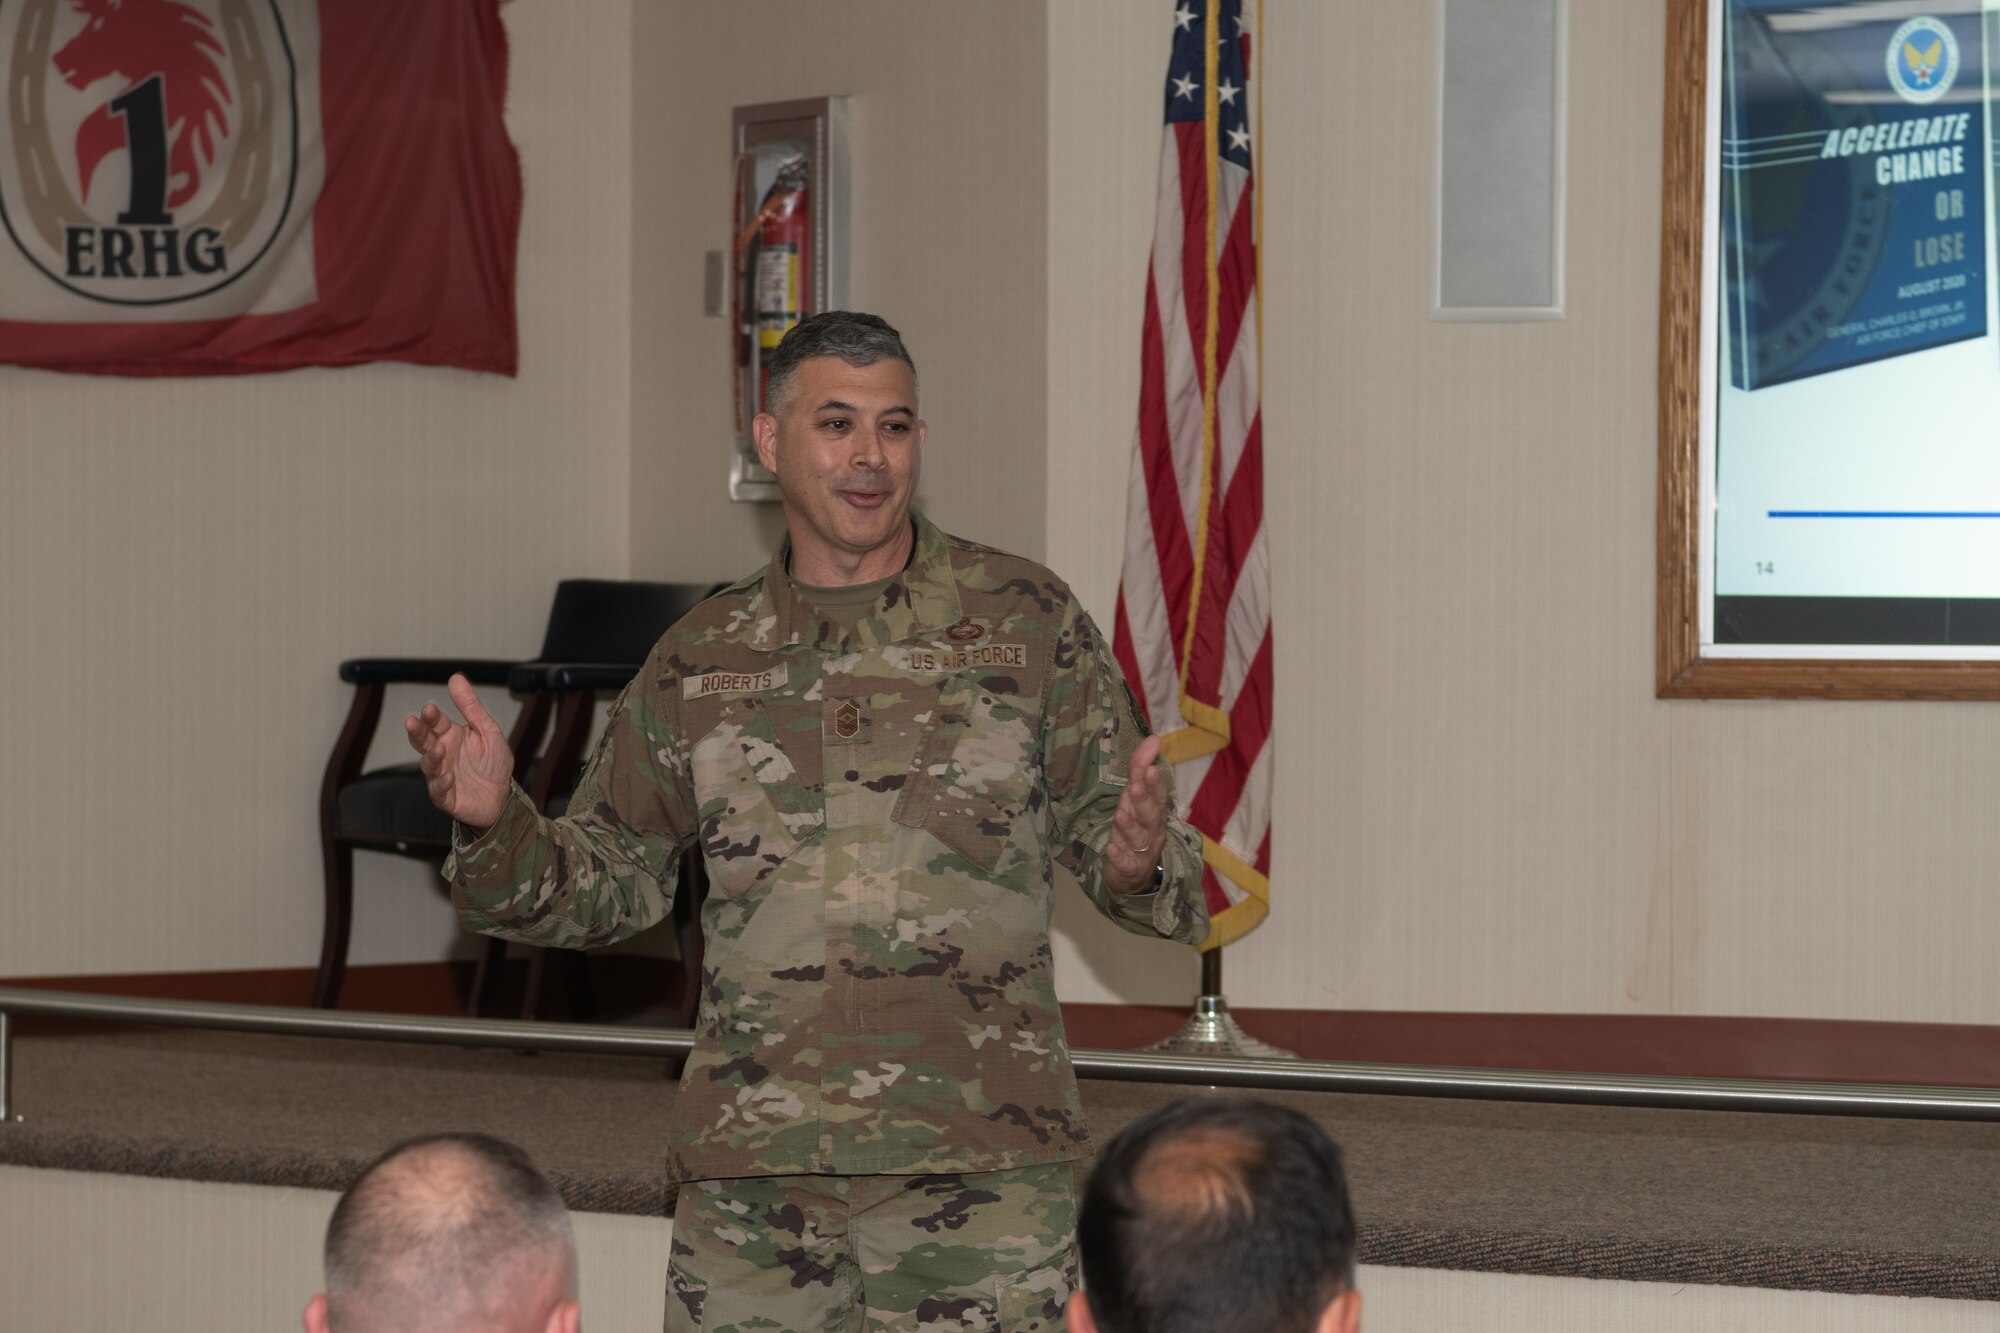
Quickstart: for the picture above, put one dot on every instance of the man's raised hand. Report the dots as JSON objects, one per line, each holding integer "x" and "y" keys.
{"x": 1139, "y": 826}
{"x": 466, "y": 766}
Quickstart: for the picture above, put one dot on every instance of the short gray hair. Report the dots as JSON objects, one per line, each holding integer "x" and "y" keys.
{"x": 440, "y": 1230}
{"x": 857, "y": 339}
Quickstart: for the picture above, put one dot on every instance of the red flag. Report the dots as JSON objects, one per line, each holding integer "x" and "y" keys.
{"x": 196, "y": 187}
{"x": 1193, "y": 632}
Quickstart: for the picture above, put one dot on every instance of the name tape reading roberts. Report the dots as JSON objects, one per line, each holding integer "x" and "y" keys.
{"x": 732, "y": 682}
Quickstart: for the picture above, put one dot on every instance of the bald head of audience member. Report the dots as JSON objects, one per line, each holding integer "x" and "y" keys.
{"x": 1217, "y": 1214}
{"x": 449, "y": 1232}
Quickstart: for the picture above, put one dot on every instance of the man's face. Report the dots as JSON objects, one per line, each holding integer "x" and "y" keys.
{"x": 847, "y": 453}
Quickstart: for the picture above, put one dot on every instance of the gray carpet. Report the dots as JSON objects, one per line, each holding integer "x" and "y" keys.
{"x": 1796, "y": 1202}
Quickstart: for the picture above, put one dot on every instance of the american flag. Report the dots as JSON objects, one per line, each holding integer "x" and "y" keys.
{"x": 1194, "y": 610}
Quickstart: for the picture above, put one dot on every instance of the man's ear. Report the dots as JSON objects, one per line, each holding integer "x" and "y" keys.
{"x": 565, "y": 1318}
{"x": 315, "y": 1316}
{"x": 764, "y": 429}
{"x": 1342, "y": 1313}
{"x": 1078, "y": 1314}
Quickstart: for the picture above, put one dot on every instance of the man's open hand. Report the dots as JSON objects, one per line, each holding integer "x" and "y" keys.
{"x": 468, "y": 766}
{"x": 1139, "y": 828}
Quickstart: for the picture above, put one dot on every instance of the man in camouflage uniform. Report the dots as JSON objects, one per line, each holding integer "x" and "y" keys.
{"x": 882, "y": 744}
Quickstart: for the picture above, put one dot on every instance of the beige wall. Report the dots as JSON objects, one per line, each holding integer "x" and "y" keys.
{"x": 1480, "y": 805}
{"x": 188, "y": 560}
{"x": 224, "y": 1258}
{"x": 948, "y": 245}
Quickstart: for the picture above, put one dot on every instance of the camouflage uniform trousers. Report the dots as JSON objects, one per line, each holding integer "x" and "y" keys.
{"x": 991, "y": 1250}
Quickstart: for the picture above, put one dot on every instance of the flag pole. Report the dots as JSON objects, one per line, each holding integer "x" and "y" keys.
{"x": 1211, "y": 1029}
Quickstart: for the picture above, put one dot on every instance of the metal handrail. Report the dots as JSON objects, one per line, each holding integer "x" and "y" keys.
{"x": 1512, "y": 1085}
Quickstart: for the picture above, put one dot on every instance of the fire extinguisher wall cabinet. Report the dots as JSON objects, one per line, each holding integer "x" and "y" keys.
{"x": 787, "y": 252}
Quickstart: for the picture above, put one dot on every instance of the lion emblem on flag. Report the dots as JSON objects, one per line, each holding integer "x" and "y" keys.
{"x": 131, "y": 42}
{"x": 154, "y": 143}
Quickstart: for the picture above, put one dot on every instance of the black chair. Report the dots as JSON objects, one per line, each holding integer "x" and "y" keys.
{"x": 598, "y": 635}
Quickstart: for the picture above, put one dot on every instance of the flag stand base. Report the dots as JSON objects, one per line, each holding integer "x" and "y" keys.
{"x": 1211, "y": 1030}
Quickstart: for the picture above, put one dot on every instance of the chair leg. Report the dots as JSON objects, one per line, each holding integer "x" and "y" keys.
{"x": 338, "y": 866}
{"x": 491, "y": 956}
{"x": 531, "y": 994}
{"x": 582, "y": 994}
{"x": 685, "y": 1000}
{"x": 337, "y": 858}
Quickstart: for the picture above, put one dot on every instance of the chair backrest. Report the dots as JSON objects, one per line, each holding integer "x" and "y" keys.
{"x": 612, "y": 621}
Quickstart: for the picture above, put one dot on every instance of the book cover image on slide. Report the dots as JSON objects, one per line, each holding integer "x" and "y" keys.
{"x": 1854, "y": 184}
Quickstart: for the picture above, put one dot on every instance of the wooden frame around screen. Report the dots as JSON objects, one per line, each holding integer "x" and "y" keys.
{"x": 1680, "y": 671}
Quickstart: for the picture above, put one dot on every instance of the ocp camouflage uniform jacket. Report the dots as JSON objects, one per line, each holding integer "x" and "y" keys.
{"x": 880, "y": 811}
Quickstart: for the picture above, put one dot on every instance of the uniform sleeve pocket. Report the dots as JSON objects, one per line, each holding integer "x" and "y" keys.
{"x": 687, "y": 1298}
{"x": 1035, "y": 1301}
{"x": 695, "y": 1307}
{"x": 973, "y": 783}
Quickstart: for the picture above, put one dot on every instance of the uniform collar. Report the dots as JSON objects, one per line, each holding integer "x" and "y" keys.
{"x": 921, "y": 602}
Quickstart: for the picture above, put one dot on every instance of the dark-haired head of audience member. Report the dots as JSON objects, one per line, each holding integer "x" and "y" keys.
{"x": 1217, "y": 1215}
{"x": 444, "y": 1233}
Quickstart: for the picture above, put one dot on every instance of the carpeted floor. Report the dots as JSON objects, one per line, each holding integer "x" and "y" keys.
{"x": 1798, "y": 1202}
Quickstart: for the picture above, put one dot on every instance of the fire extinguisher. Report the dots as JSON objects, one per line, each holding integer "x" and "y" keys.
{"x": 774, "y": 257}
